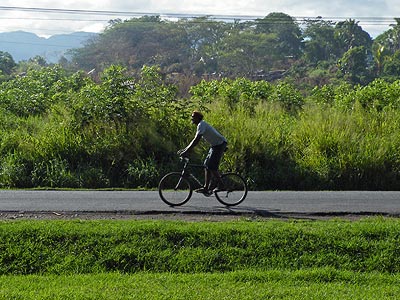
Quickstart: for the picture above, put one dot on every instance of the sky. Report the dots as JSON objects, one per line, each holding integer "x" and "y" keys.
{"x": 47, "y": 18}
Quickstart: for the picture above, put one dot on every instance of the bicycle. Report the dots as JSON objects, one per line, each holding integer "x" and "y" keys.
{"x": 176, "y": 188}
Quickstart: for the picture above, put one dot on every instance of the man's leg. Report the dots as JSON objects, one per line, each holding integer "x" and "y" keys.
{"x": 220, "y": 184}
{"x": 217, "y": 176}
{"x": 207, "y": 172}
{"x": 211, "y": 163}
{"x": 207, "y": 178}
{"x": 214, "y": 161}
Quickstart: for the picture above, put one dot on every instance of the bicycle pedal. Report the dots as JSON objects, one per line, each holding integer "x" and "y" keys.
{"x": 202, "y": 191}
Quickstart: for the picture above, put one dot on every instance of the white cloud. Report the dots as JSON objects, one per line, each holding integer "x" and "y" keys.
{"x": 48, "y": 24}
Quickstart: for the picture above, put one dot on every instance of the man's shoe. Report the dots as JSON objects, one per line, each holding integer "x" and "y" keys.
{"x": 203, "y": 191}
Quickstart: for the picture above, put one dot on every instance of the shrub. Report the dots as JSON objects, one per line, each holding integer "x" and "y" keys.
{"x": 143, "y": 173}
{"x": 15, "y": 171}
{"x": 53, "y": 173}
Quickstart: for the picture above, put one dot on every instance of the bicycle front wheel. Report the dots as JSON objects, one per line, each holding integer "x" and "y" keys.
{"x": 174, "y": 189}
{"x": 235, "y": 190}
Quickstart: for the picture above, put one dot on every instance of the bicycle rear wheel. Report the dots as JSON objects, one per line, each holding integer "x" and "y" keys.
{"x": 235, "y": 190}
{"x": 174, "y": 189}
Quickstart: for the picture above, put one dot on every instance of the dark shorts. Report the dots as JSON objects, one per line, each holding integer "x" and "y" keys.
{"x": 214, "y": 156}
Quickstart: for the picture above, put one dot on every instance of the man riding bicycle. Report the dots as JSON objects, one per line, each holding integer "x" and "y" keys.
{"x": 218, "y": 146}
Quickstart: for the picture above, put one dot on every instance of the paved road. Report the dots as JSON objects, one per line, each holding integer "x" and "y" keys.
{"x": 148, "y": 202}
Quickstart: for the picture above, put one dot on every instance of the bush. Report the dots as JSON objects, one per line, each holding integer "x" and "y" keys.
{"x": 124, "y": 131}
{"x": 15, "y": 171}
{"x": 92, "y": 177}
{"x": 143, "y": 173}
{"x": 53, "y": 173}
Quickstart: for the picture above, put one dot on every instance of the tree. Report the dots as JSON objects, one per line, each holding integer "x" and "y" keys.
{"x": 319, "y": 41}
{"x": 354, "y": 65}
{"x": 391, "y": 68}
{"x": 204, "y": 39}
{"x": 355, "y": 44}
{"x": 287, "y": 31}
{"x": 349, "y": 34}
{"x": 390, "y": 39}
{"x": 385, "y": 48}
{"x": 134, "y": 43}
{"x": 7, "y": 63}
{"x": 246, "y": 53}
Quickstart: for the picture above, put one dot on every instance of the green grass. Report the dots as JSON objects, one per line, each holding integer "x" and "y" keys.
{"x": 65, "y": 247}
{"x": 271, "y": 259}
{"x": 274, "y": 284}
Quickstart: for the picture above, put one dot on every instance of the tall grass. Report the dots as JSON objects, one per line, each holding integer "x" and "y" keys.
{"x": 321, "y": 147}
{"x": 347, "y": 149}
{"x": 110, "y": 134}
{"x": 258, "y": 143}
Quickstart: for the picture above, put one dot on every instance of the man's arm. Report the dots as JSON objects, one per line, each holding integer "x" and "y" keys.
{"x": 191, "y": 145}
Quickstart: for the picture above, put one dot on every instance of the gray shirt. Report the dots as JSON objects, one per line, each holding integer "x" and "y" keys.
{"x": 210, "y": 134}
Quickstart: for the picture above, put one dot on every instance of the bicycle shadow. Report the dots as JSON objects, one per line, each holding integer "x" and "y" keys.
{"x": 239, "y": 211}
{"x": 251, "y": 213}
{"x": 200, "y": 205}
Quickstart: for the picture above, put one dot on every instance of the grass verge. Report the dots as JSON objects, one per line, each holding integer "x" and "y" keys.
{"x": 274, "y": 284}
{"x": 71, "y": 247}
{"x": 203, "y": 260}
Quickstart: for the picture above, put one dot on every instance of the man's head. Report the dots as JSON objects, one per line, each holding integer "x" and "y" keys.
{"x": 196, "y": 117}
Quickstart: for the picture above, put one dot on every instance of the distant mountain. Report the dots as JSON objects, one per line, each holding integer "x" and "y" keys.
{"x": 25, "y": 45}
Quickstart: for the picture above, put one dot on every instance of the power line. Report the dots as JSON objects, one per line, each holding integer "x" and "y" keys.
{"x": 59, "y": 10}
{"x": 122, "y": 13}
{"x": 57, "y": 19}
{"x": 260, "y": 21}
{"x": 91, "y": 16}
{"x": 184, "y": 15}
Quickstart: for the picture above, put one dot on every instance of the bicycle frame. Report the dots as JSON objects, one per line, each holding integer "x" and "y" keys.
{"x": 186, "y": 171}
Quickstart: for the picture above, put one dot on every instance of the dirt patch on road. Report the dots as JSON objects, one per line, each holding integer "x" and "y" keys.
{"x": 190, "y": 217}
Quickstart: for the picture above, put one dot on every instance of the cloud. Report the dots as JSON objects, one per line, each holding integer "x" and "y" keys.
{"x": 48, "y": 24}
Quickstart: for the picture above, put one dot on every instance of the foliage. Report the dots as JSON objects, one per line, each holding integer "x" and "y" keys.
{"x": 354, "y": 65}
{"x": 7, "y": 64}
{"x": 196, "y": 47}
{"x": 268, "y": 48}
{"x": 143, "y": 173}
{"x": 124, "y": 130}
{"x": 349, "y": 35}
{"x": 63, "y": 130}
{"x": 320, "y": 43}
{"x": 32, "y": 93}
{"x": 287, "y": 32}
